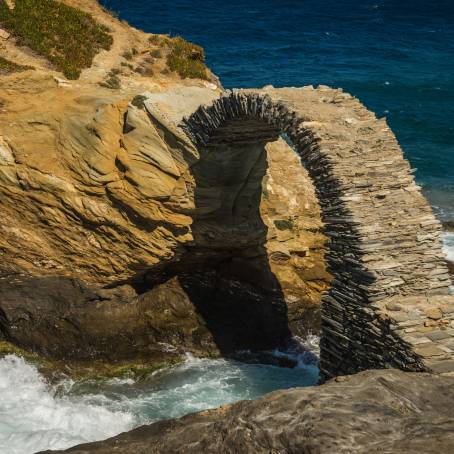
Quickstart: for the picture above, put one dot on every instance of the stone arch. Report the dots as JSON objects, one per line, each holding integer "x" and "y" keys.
{"x": 384, "y": 250}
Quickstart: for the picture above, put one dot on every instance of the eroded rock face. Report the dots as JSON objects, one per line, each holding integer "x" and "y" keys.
{"x": 64, "y": 319}
{"x": 381, "y": 411}
{"x": 103, "y": 193}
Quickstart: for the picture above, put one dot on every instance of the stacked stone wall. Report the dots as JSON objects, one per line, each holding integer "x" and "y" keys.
{"x": 384, "y": 242}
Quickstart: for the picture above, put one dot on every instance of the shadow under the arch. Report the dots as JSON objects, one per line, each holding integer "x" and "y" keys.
{"x": 225, "y": 271}
{"x": 240, "y": 298}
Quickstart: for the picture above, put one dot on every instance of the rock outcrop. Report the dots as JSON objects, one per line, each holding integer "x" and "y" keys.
{"x": 115, "y": 189}
{"x": 373, "y": 412}
{"x": 96, "y": 191}
{"x": 81, "y": 328}
{"x": 115, "y": 204}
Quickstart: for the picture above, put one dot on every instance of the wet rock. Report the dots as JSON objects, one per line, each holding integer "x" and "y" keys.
{"x": 266, "y": 358}
{"x": 205, "y": 313}
{"x": 63, "y": 319}
{"x": 374, "y": 412}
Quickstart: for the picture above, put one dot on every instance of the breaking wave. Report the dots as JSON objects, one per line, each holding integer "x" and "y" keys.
{"x": 35, "y": 415}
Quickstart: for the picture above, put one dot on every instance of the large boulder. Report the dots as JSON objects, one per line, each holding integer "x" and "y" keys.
{"x": 374, "y": 412}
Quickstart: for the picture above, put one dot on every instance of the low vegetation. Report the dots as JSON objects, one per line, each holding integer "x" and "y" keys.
{"x": 112, "y": 80}
{"x": 284, "y": 224}
{"x": 183, "y": 57}
{"x": 138, "y": 101}
{"x": 187, "y": 59}
{"x": 9, "y": 67}
{"x": 67, "y": 37}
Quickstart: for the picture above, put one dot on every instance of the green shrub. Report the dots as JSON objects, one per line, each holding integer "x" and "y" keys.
{"x": 284, "y": 224}
{"x": 9, "y": 67}
{"x": 127, "y": 55}
{"x": 68, "y": 37}
{"x": 112, "y": 82}
{"x": 138, "y": 101}
{"x": 187, "y": 59}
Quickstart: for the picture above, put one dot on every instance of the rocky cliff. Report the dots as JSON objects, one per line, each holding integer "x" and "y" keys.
{"x": 105, "y": 205}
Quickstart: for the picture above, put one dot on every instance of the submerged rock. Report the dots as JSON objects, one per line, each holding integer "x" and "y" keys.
{"x": 374, "y": 412}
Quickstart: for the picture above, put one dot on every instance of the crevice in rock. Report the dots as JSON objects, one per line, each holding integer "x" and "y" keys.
{"x": 127, "y": 128}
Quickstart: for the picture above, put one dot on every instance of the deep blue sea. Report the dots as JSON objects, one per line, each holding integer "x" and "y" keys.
{"x": 396, "y": 56}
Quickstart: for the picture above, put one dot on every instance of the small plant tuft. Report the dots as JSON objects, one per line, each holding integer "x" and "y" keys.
{"x": 144, "y": 71}
{"x": 284, "y": 224}
{"x": 138, "y": 101}
{"x": 157, "y": 40}
{"x": 112, "y": 82}
{"x": 127, "y": 55}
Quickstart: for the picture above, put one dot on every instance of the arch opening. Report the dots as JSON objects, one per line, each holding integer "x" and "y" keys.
{"x": 255, "y": 269}
{"x": 383, "y": 247}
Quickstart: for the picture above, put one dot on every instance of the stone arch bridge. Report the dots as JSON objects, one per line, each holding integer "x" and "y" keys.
{"x": 388, "y": 305}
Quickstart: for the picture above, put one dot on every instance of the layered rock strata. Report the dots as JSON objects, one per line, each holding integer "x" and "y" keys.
{"x": 124, "y": 201}
{"x": 145, "y": 195}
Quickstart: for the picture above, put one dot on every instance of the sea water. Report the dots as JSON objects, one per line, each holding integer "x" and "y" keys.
{"x": 396, "y": 56}
{"x": 36, "y": 415}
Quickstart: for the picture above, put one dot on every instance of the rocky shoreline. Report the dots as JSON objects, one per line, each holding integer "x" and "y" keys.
{"x": 376, "y": 412}
{"x": 82, "y": 330}
{"x": 130, "y": 237}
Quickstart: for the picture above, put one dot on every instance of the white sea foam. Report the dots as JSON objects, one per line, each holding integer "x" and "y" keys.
{"x": 448, "y": 248}
{"x": 33, "y": 418}
{"x": 448, "y": 245}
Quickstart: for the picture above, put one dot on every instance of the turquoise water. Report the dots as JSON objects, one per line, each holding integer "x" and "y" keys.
{"x": 397, "y": 56}
{"x": 68, "y": 413}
